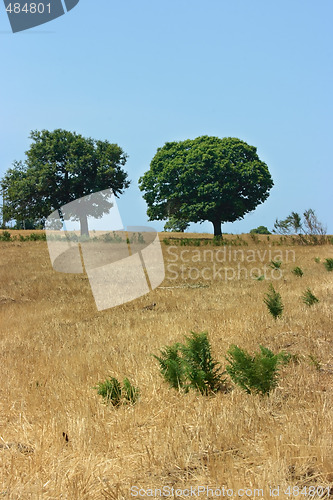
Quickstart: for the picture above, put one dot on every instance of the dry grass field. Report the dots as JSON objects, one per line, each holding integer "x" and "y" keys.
{"x": 55, "y": 347}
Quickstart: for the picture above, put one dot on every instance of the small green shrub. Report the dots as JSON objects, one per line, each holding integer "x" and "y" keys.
{"x": 275, "y": 264}
{"x": 329, "y": 264}
{"x": 298, "y": 272}
{"x": 202, "y": 371}
{"x": 317, "y": 259}
{"x": 191, "y": 365}
{"x": 5, "y": 236}
{"x": 255, "y": 374}
{"x": 129, "y": 392}
{"x": 274, "y": 302}
{"x": 172, "y": 366}
{"x": 112, "y": 391}
{"x": 260, "y": 278}
{"x": 308, "y": 298}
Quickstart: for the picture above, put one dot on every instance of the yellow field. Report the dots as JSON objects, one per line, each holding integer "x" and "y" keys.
{"x": 56, "y": 346}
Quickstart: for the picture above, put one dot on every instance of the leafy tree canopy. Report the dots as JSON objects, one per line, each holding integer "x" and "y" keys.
{"x": 208, "y": 178}
{"x": 60, "y": 167}
{"x": 176, "y": 225}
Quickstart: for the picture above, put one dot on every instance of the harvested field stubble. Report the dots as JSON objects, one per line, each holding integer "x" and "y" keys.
{"x": 55, "y": 348}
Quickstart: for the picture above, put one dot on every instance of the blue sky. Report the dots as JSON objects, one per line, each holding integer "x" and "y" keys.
{"x": 143, "y": 73}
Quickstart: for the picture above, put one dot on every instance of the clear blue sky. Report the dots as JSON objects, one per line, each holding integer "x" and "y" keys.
{"x": 140, "y": 73}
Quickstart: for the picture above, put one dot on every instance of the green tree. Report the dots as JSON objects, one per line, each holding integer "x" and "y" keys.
{"x": 176, "y": 225}
{"x": 208, "y": 178}
{"x": 260, "y": 230}
{"x": 61, "y": 167}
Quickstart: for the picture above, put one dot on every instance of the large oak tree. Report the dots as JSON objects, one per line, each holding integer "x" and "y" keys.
{"x": 61, "y": 167}
{"x": 208, "y": 178}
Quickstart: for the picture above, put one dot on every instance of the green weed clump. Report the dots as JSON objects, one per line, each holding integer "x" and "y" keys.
{"x": 5, "y": 236}
{"x": 308, "y": 298}
{"x": 259, "y": 278}
{"x": 191, "y": 365}
{"x": 129, "y": 392}
{"x": 112, "y": 391}
{"x": 275, "y": 264}
{"x": 274, "y": 302}
{"x": 298, "y": 272}
{"x": 255, "y": 374}
{"x": 329, "y": 264}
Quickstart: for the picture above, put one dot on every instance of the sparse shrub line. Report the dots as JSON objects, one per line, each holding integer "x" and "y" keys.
{"x": 191, "y": 366}
{"x": 7, "y": 236}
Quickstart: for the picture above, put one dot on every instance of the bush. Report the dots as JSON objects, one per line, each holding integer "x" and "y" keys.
{"x": 298, "y": 272}
{"x": 256, "y": 373}
{"x": 274, "y": 302}
{"x": 172, "y": 366}
{"x": 308, "y": 298}
{"x": 329, "y": 264}
{"x": 260, "y": 230}
{"x": 191, "y": 365}
{"x": 201, "y": 369}
{"x": 5, "y": 236}
{"x": 113, "y": 393}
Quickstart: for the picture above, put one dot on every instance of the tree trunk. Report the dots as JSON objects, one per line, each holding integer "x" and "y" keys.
{"x": 217, "y": 228}
{"x": 84, "y": 225}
